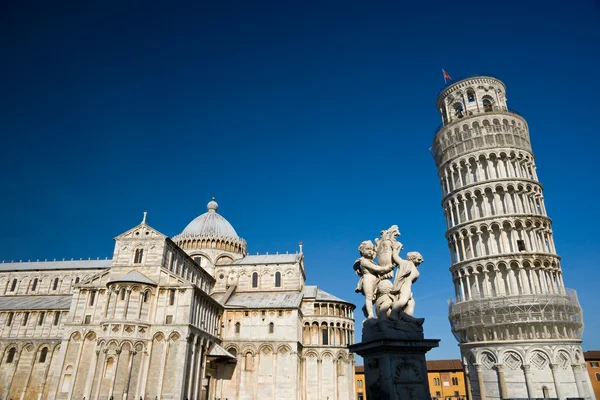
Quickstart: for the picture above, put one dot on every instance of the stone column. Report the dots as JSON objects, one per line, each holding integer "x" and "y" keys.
{"x": 580, "y": 387}
{"x": 554, "y": 368}
{"x": 132, "y": 354}
{"x": 530, "y": 390}
{"x": 501, "y": 381}
{"x": 114, "y": 378}
{"x": 480, "y": 381}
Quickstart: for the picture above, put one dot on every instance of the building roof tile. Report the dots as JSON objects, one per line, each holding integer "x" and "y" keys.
{"x": 33, "y": 302}
{"x": 444, "y": 365}
{"x": 50, "y": 265}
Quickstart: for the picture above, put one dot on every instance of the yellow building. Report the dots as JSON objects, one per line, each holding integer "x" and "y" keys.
{"x": 446, "y": 380}
{"x": 592, "y": 361}
{"x": 359, "y": 382}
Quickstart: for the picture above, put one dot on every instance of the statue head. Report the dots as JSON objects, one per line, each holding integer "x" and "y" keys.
{"x": 415, "y": 257}
{"x": 367, "y": 249}
{"x": 384, "y": 286}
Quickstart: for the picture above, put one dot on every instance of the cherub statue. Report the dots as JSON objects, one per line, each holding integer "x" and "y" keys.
{"x": 406, "y": 275}
{"x": 370, "y": 273}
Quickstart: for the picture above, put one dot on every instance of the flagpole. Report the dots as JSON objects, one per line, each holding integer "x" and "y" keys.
{"x": 444, "y": 75}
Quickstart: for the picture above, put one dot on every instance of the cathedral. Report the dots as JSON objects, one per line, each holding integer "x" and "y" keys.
{"x": 189, "y": 317}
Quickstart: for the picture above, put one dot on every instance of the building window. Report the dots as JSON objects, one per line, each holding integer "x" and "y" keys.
{"x": 471, "y": 95}
{"x": 41, "y": 318}
{"x": 66, "y": 386}
{"x": 145, "y": 297}
{"x": 56, "y": 317}
{"x": 92, "y": 297}
{"x": 43, "y": 355}
{"x": 458, "y": 110}
{"x": 122, "y": 293}
{"x": 456, "y": 394}
{"x": 277, "y": 279}
{"x": 77, "y": 280}
{"x": 55, "y": 284}
{"x": 325, "y": 335}
{"x": 436, "y": 381}
{"x": 11, "y": 355}
{"x": 487, "y": 105}
{"x": 139, "y": 254}
{"x": 594, "y": 364}
{"x": 9, "y": 321}
{"x": 172, "y": 297}
{"x": 13, "y": 286}
{"x": 271, "y": 327}
{"x": 198, "y": 260}
{"x": 87, "y": 320}
{"x": 25, "y": 318}
{"x": 545, "y": 392}
{"x": 360, "y": 383}
{"x": 598, "y": 376}
{"x": 34, "y": 285}
{"x": 249, "y": 362}
{"x": 361, "y": 396}
{"x": 246, "y": 313}
{"x": 169, "y": 319}
{"x": 455, "y": 381}
{"x": 255, "y": 279}
{"x": 280, "y": 313}
{"x": 521, "y": 245}
{"x": 237, "y": 327}
{"x": 438, "y": 394}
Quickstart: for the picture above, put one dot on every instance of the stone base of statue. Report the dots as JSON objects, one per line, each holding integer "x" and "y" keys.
{"x": 394, "y": 359}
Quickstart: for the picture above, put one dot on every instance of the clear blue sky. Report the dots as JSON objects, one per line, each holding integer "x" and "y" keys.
{"x": 309, "y": 121}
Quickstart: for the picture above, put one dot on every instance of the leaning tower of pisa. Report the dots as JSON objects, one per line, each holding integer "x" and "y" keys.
{"x": 519, "y": 329}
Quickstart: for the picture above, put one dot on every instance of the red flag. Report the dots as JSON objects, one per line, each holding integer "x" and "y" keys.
{"x": 446, "y": 75}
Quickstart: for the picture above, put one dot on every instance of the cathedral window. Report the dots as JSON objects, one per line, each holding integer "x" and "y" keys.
{"x": 198, "y": 260}
{"x": 9, "y": 321}
{"x": 169, "y": 319}
{"x": 172, "y": 297}
{"x": 56, "y": 317}
{"x": 237, "y": 327}
{"x": 249, "y": 362}
{"x": 271, "y": 327}
{"x": 277, "y": 279}
{"x": 43, "y": 355}
{"x": 77, "y": 280}
{"x": 139, "y": 254}
{"x": 11, "y": 355}
{"x": 546, "y": 392}
{"x": 87, "y": 320}
{"x": 13, "y": 286}
{"x": 34, "y": 285}
{"x": 325, "y": 335}
{"x": 280, "y": 313}
{"x": 66, "y": 386}
{"x": 92, "y": 297}
{"x": 233, "y": 352}
{"x": 25, "y": 318}
{"x": 41, "y": 318}
{"x": 521, "y": 245}
{"x": 123, "y": 294}
{"x": 145, "y": 297}
{"x": 255, "y": 279}
{"x": 55, "y": 284}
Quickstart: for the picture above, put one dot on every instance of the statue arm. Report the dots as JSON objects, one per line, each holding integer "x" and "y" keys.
{"x": 374, "y": 268}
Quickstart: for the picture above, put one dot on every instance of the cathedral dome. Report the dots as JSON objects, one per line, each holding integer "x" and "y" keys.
{"x": 210, "y": 224}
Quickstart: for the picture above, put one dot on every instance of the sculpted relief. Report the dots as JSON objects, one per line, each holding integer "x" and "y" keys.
{"x": 386, "y": 280}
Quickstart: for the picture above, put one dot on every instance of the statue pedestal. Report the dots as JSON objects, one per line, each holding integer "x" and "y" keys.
{"x": 394, "y": 360}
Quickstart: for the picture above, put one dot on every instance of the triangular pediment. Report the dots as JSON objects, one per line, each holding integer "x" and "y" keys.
{"x": 142, "y": 231}
{"x": 95, "y": 279}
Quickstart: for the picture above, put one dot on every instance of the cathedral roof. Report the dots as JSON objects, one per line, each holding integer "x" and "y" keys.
{"x": 320, "y": 295}
{"x": 219, "y": 352}
{"x": 267, "y": 259}
{"x": 52, "y": 265}
{"x": 35, "y": 302}
{"x": 134, "y": 276}
{"x": 262, "y": 300}
{"x": 210, "y": 224}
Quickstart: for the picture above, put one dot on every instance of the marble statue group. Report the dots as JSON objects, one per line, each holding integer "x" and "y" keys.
{"x": 390, "y": 293}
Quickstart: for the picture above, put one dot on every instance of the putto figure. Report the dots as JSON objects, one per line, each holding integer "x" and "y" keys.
{"x": 393, "y": 301}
